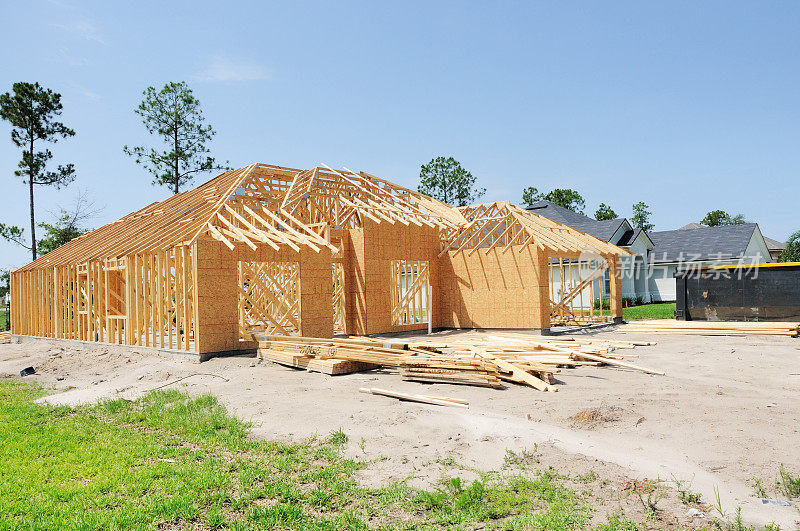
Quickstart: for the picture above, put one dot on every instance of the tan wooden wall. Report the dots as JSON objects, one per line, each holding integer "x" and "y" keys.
{"x": 217, "y": 276}
{"x": 144, "y": 300}
{"x": 187, "y": 298}
{"x": 493, "y": 289}
{"x": 368, "y": 274}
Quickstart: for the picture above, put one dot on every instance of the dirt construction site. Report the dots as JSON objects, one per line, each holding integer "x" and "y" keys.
{"x": 438, "y": 341}
{"x": 719, "y": 422}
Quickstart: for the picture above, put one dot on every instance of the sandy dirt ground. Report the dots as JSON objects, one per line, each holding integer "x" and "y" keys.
{"x": 727, "y": 411}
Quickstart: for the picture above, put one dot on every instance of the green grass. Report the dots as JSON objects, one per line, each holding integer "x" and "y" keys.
{"x": 3, "y": 320}
{"x": 522, "y": 502}
{"x": 169, "y": 460}
{"x": 787, "y": 484}
{"x": 662, "y": 310}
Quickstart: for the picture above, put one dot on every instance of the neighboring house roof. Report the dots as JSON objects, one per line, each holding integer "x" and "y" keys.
{"x": 774, "y": 245}
{"x": 693, "y": 226}
{"x": 604, "y": 230}
{"x": 704, "y": 243}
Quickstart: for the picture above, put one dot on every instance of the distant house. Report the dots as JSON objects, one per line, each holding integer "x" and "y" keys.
{"x": 775, "y": 248}
{"x": 696, "y": 245}
{"x": 620, "y": 232}
{"x": 657, "y": 255}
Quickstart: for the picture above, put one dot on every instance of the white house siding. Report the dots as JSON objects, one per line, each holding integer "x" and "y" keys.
{"x": 757, "y": 248}
{"x": 662, "y": 282}
{"x": 636, "y": 268}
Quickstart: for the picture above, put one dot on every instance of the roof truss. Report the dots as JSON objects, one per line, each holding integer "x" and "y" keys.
{"x": 279, "y": 206}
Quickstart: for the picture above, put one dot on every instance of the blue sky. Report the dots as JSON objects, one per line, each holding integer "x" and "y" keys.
{"x": 687, "y": 106}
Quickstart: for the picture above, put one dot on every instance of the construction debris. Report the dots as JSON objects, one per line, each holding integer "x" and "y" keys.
{"x": 483, "y": 360}
{"x": 712, "y": 328}
{"x": 5, "y": 335}
{"x": 425, "y": 399}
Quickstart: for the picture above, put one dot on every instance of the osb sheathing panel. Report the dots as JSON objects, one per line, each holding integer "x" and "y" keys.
{"x": 218, "y": 283}
{"x": 316, "y": 293}
{"x": 368, "y": 254}
{"x": 492, "y": 289}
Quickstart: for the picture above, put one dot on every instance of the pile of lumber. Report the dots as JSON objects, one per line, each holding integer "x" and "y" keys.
{"x": 712, "y": 328}
{"x": 481, "y": 360}
{"x": 5, "y": 335}
{"x": 437, "y": 368}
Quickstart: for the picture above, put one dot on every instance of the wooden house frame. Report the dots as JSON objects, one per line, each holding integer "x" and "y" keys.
{"x": 312, "y": 252}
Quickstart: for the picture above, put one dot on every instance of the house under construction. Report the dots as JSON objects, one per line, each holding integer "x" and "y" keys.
{"x": 311, "y": 252}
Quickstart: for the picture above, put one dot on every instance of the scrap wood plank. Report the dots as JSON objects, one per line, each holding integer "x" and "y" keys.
{"x": 333, "y": 349}
{"x": 603, "y": 359}
{"x": 425, "y": 399}
{"x": 330, "y": 366}
{"x": 756, "y": 327}
{"x": 518, "y": 373}
{"x": 610, "y": 361}
{"x": 493, "y": 382}
{"x": 732, "y": 328}
{"x": 582, "y": 353}
{"x": 353, "y": 340}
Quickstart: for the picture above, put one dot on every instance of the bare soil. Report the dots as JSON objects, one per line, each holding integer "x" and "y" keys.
{"x": 727, "y": 411}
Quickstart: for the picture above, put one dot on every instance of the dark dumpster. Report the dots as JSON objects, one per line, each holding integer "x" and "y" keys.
{"x": 768, "y": 292}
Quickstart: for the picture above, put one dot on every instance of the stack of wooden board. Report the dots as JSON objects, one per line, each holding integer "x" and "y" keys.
{"x": 712, "y": 328}
{"x": 450, "y": 369}
{"x": 5, "y": 335}
{"x": 481, "y": 360}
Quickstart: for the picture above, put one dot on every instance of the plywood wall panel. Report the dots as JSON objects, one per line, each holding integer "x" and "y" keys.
{"x": 492, "y": 289}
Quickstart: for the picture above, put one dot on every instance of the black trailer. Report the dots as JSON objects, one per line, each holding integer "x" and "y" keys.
{"x": 767, "y": 292}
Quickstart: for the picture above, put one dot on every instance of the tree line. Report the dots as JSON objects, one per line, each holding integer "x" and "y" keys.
{"x": 446, "y": 180}
{"x": 174, "y": 115}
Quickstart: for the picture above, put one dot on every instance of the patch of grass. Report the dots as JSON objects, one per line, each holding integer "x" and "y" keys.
{"x": 588, "y": 477}
{"x": 650, "y": 503}
{"x": 172, "y": 461}
{"x": 737, "y": 524}
{"x": 617, "y": 521}
{"x": 758, "y": 487}
{"x": 649, "y": 311}
{"x": 338, "y": 437}
{"x": 522, "y": 459}
{"x": 522, "y": 502}
{"x": 3, "y": 320}
{"x": 448, "y": 461}
{"x": 685, "y": 494}
{"x": 787, "y": 484}
{"x": 167, "y": 460}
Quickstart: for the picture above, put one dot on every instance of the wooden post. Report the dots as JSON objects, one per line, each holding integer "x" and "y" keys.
{"x": 430, "y": 309}
{"x": 615, "y": 278}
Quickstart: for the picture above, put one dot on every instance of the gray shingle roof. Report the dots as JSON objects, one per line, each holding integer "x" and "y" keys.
{"x": 706, "y": 243}
{"x": 774, "y": 245}
{"x": 604, "y": 230}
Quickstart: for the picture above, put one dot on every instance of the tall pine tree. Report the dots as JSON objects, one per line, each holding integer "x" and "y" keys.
{"x": 32, "y": 111}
